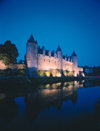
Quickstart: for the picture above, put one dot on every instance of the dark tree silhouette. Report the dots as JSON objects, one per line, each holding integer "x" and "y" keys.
{"x": 8, "y": 53}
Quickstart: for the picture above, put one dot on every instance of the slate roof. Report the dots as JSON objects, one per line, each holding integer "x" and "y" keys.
{"x": 58, "y": 48}
{"x": 46, "y": 52}
{"x": 40, "y": 51}
{"x": 31, "y": 39}
{"x": 74, "y": 54}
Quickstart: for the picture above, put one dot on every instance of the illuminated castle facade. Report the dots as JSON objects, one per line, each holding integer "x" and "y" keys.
{"x": 40, "y": 59}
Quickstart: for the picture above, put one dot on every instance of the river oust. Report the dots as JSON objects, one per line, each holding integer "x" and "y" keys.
{"x": 57, "y": 107}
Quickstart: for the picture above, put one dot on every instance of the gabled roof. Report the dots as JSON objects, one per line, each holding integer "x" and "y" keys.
{"x": 46, "y": 52}
{"x": 40, "y": 51}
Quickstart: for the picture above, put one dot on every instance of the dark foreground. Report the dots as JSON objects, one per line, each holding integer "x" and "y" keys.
{"x": 62, "y": 106}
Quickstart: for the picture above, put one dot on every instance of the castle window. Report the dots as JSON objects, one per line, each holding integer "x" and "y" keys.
{"x": 44, "y": 59}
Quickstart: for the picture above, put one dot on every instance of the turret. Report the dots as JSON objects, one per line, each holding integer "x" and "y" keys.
{"x": 59, "y": 52}
{"x": 31, "y": 55}
{"x": 75, "y": 63}
{"x": 59, "y": 55}
{"x": 43, "y": 48}
{"x": 74, "y": 59}
{"x": 49, "y": 53}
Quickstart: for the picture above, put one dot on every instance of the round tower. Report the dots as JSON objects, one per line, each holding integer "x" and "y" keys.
{"x": 31, "y": 56}
{"x": 59, "y": 55}
{"x": 75, "y": 63}
{"x": 74, "y": 59}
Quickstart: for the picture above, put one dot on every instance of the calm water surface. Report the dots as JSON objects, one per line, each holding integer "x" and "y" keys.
{"x": 61, "y": 106}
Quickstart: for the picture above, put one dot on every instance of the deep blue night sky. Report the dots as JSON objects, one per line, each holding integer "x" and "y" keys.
{"x": 74, "y": 24}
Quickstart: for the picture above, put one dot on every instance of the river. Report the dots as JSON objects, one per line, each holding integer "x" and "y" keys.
{"x": 57, "y": 107}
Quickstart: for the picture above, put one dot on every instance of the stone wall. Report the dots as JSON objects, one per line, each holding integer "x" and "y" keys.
{"x": 2, "y": 65}
{"x": 18, "y": 66}
{"x": 31, "y": 55}
{"x": 48, "y": 62}
{"x": 52, "y": 65}
{"x": 67, "y": 65}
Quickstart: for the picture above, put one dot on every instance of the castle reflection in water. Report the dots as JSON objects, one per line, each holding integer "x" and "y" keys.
{"x": 48, "y": 96}
{"x": 47, "y": 106}
{"x": 54, "y": 94}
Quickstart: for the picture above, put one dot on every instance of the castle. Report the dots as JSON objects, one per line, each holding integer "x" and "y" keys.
{"x": 40, "y": 59}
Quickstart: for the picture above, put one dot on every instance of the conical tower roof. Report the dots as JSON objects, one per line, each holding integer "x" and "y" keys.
{"x": 31, "y": 39}
{"x": 74, "y": 54}
{"x": 58, "y": 48}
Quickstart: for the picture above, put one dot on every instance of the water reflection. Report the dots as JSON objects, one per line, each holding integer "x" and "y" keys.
{"x": 60, "y": 106}
{"x": 8, "y": 110}
{"x": 96, "y": 116}
{"x": 50, "y": 96}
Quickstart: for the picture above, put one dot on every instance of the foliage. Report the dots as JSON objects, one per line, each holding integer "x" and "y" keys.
{"x": 8, "y": 53}
{"x": 13, "y": 72}
{"x": 24, "y": 67}
{"x": 49, "y": 73}
{"x": 41, "y": 73}
{"x": 91, "y": 71}
{"x": 5, "y": 58}
{"x": 69, "y": 73}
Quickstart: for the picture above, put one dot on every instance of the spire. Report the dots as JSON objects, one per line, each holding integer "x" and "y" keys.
{"x": 31, "y": 39}
{"x": 74, "y": 54}
{"x": 59, "y": 49}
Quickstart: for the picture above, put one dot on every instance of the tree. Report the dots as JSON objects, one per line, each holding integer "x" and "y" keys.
{"x": 8, "y": 53}
{"x": 5, "y": 58}
{"x": 2, "y": 49}
{"x": 11, "y": 50}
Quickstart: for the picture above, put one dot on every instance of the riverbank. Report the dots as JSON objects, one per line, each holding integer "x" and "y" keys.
{"x": 20, "y": 84}
{"x": 50, "y": 80}
{"x": 39, "y": 80}
{"x": 43, "y": 80}
{"x": 24, "y": 80}
{"x": 92, "y": 77}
